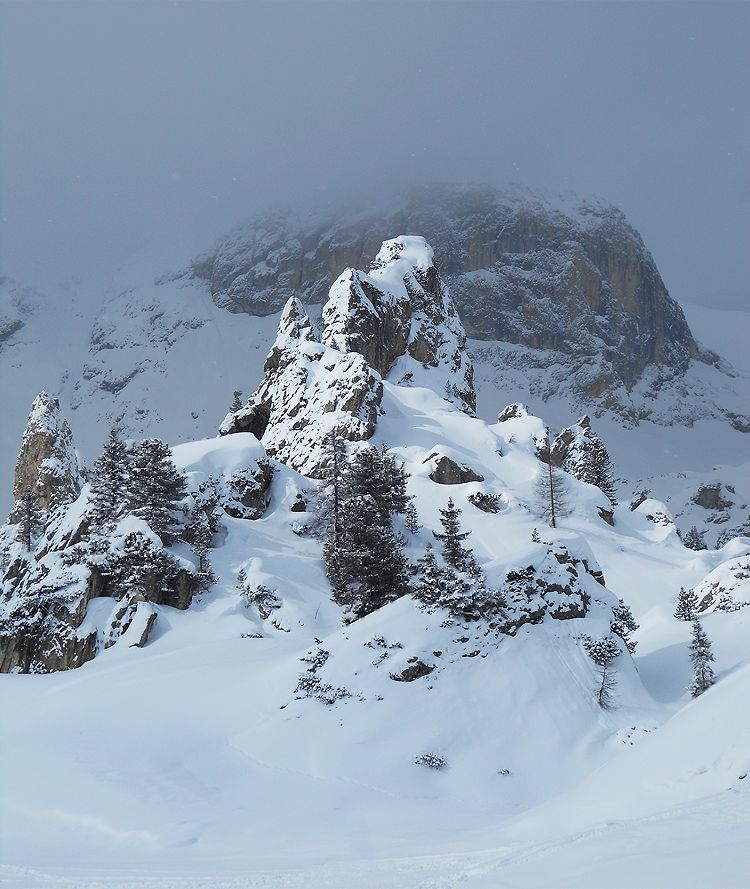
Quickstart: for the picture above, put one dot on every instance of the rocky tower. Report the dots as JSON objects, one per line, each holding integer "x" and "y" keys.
{"x": 47, "y": 464}
{"x": 396, "y": 320}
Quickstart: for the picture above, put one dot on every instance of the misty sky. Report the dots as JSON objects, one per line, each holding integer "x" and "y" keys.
{"x": 127, "y": 124}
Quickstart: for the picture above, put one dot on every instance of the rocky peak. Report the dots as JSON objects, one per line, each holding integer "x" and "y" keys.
{"x": 47, "y": 464}
{"x": 397, "y": 318}
{"x": 399, "y": 310}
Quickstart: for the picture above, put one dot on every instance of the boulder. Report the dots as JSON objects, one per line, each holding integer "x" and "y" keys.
{"x": 447, "y": 472}
{"x": 709, "y": 497}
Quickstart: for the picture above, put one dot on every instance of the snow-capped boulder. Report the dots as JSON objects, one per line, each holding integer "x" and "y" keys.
{"x": 563, "y": 582}
{"x": 400, "y": 317}
{"x": 47, "y": 465}
{"x": 309, "y": 390}
{"x": 512, "y": 412}
{"x": 726, "y": 588}
{"x": 236, "y": 468}
{"x": 69, "y": 599}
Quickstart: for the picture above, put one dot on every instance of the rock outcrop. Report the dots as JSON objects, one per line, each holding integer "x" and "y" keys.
{"x": 446, "y": 471}
{"x": 47, "y": 464}
{"x": 309, "y": 390}
{"x": 396, "y": 320}
{"x": 400, "y": 310}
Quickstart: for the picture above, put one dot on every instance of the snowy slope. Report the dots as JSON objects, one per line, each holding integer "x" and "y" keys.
{"x": 193, "y": 761}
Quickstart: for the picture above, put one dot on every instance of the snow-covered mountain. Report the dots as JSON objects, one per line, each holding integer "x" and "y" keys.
{"x": 501, "y": 722}
{"x": 563, "y": 304}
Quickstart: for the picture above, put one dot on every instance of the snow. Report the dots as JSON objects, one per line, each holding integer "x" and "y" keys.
{"x": 194, "y": 762}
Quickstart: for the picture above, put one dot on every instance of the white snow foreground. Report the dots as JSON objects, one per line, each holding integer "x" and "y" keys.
{"x": 202, "y": 760}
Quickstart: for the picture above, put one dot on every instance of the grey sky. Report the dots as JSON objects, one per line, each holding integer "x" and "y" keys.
{"x": 125, "y": 124}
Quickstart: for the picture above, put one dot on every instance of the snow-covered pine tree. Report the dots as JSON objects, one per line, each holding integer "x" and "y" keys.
{"x": 701, "y": 657}
{"x": 433, "y": 581}
{"x": 462, "y": 582}
{"x": 694, "y": 539}
{"x": 374, "y": 472}
{"x": 236, "y": 401}
{"x": 623, "y": 624}
{"x": 551, "y": 489}
{"x": 31, "y": 523}
{"x": 206, "y": 500}
{"x": 452, "y": 538}
{"x": 329, "y": 509}
{"x": 110, "y": 480}
{"x": 396, "y": 478}
{"x": 687, "y": 602}
{"x": 141, "y": 568}
{"x": 157, "y": 487}
{"x": 364, "y": 558}
{"x": 368, "y": 567}
{"x": 411, "y": 519}
{"x": 592, "y": 463}
{"x": 200, "y": 535}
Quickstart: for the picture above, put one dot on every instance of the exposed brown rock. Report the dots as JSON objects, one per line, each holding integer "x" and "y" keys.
{"x": 448, "y": 472}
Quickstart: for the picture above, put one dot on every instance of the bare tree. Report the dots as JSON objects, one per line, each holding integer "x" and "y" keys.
{"x": 605, "y": 694}
{"x": 551, "y": 488}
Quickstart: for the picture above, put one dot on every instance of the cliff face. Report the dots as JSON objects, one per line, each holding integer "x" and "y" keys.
{"x": 580, "y": 282}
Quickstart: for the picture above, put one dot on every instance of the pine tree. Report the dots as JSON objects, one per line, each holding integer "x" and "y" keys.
{"x": 605, "y": 692}
{"x": 31, "y": 521}
{"x": 694, "y": 539}
{"x": 396, "y": 478}
{"x": 378, "y": 474}
{"x": 687, "y": 602}
{"x": 367, "y": 568}
{"x": 329, "y": 512}
{"x": 157, "y": 488}
{"x": 110, "y": 482}
{"x": 551, "y": 489}
{"x": 236, "y": 401}
{"x": 594, "y": 466}
{"x": 200, "y": 536}
{"x": 411, "y": 519}
{"x": 623, "y": 624}
{"x": 433, "y": 583}
{"x": 141, "y": 568}
{"x": 363, "y": 556}
{"x": 701, "y": 657}
{"x": 452, "y": 538}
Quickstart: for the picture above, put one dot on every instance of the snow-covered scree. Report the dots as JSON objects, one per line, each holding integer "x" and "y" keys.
{"x": 255, "y": 738}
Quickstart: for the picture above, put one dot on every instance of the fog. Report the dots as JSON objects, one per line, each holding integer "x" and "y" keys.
{"x": 127, "y": 124}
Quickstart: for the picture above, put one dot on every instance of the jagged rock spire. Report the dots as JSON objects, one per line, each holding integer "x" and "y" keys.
{"x": 47, "y": 464}
{"x": 308, "y": 391}
{"x": 396, "y": 320}
{"x": 400, "y": 317}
